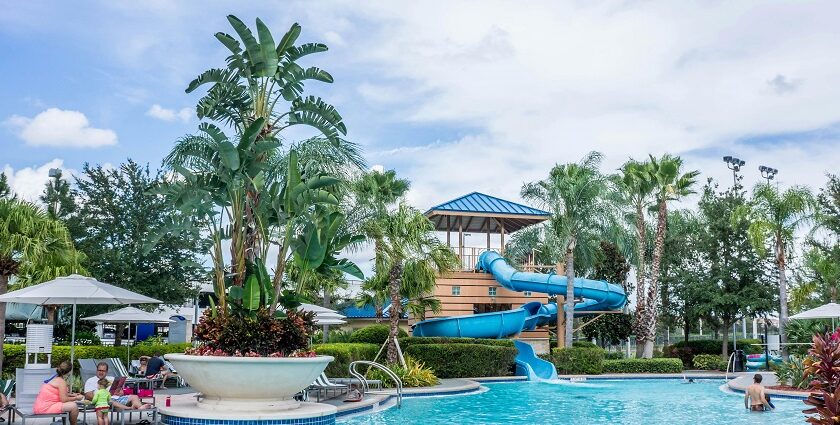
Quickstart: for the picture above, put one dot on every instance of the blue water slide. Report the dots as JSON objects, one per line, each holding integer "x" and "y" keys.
{"x": 597, "y": 296}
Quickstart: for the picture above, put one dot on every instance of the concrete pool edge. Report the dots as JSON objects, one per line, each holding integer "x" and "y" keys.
{"x": 740, "y": 384}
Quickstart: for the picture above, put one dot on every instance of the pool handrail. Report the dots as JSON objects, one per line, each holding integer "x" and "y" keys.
{"x": 363, "y": 382}
{"x": 728, "y": 362}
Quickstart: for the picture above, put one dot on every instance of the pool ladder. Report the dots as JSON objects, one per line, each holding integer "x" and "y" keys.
{"x": 364, "y": 384}
{"x": 729, "y": 362}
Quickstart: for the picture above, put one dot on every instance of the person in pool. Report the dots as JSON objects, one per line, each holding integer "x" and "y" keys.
{"x": 754, "y": 398}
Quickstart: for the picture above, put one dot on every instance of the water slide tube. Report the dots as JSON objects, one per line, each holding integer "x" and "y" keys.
{"x": 596, "y": 295}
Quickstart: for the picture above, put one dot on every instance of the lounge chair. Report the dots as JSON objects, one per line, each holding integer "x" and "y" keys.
{"x": 120, "y": 414}
{"x": 118, "y": 370}
{"x": 371, "y": 383}
{"x": 28, "y": 383}
{"x": 6, "y": 387}
{"x": 322, "y": 383}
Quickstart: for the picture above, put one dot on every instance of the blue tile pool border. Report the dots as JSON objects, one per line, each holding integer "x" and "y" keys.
{"x": 317, "y": 420}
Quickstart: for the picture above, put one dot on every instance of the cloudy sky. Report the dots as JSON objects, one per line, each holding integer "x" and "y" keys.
{"x": 456, "y": 96}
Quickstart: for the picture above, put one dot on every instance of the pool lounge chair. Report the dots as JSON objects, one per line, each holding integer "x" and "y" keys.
{"x": 118, "y": 370}
{"x": 323, "y": 384}
{"x": 28, "y": 382}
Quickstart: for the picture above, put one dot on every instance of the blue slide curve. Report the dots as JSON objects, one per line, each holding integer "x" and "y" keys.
{"x": 597, "y": 296}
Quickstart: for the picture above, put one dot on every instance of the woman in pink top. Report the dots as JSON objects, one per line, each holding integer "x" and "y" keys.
{"x": 54, "y": 396}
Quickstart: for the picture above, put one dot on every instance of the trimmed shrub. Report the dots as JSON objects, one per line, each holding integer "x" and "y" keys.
{"x": 455, "y": 360}
{"x": 15, "y": 355}
{"x": 374, "y": 334}
{"x": 344, "y": 354}
{"x": 708, "y": 362}
{"x": 414, "y": 340}
{"x": 643, "y": 366}
{"x": 584, "y": 344}
{"x": 613, "y": 355}
{"x": 686, "y": 351}
{"x": 578, "y": 360}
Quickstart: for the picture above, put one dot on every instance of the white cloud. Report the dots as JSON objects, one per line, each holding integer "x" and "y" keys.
{"x": 61, "y": 128}
{"x": 166, "y": 114}
{"x": 28, "y": 183}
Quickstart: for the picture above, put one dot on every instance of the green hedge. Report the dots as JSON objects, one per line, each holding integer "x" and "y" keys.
{"x": 613, "y": 355}
{"x": 578, "y": 360}
{"x": 374, "y": 334}
{"x": 414, "y": 340}
{"x": 457, "y": 360}
{"x": 14, "y": 355}
{"x": 643, "y": 366}
{"x": 344, "y": 354}
{"x": 686, "y": 351}
{"x": 709, "y": 362}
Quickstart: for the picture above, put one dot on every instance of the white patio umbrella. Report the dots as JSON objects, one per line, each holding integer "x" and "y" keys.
{"x": 324, "y": 316}
{"x": 827, "y": 311}
{"x": 128, "y": 315}
{"x": 75, "y": 289}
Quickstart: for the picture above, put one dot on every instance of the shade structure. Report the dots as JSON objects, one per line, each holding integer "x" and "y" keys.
{"x": 324, "y": 317}
{"x": 128, "y": 315}
{"x": 75, "y": 289}
{"x": 827, "y": 311}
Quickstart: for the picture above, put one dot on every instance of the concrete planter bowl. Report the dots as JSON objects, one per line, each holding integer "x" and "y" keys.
{"x": 252, "y": 384}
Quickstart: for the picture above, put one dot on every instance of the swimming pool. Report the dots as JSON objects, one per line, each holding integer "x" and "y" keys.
{"x": 660, "y": 401}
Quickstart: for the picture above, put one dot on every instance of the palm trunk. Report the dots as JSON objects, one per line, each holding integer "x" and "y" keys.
{"x": 394, "y": 284}
{"x": 686, "y": 329}
{"x": 639, "y": 325}
{"x": 783, "y": 308}
{"x": 51, "y": 310}
{"x": 118, "y": 335}
{"x": 569, "y": 305}
{"x": 653, "y": 285}
{"x": 4, "y": 287}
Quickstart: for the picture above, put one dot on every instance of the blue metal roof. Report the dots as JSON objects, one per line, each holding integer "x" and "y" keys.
{"x": 368, "y": 312}
{"x": 476, "y": 202}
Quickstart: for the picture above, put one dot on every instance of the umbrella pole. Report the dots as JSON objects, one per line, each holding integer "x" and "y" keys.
{"x": 128, "y": 356}
{"x": 73, "y": 337}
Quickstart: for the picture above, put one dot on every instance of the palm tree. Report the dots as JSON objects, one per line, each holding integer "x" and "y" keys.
{"x": 821, "y": 277}
{"x": 669, "y": 184}
{"x": 774, "y": 217}
{"x": 410, "y": 258}
{"x": 637, "y": 187}
{"x": 582, "y": 207}
{"x": 33, "y": 248}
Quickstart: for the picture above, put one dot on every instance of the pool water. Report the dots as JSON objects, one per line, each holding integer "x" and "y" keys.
{"x": 661, "y": 401}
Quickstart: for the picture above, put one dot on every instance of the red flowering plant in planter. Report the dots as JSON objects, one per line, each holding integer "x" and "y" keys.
{"x": 823, "y": 364}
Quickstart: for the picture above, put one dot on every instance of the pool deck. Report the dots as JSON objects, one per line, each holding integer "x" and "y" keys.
{"x": 744, "y": 380}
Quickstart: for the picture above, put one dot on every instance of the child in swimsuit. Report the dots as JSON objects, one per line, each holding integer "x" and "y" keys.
{"x": 100, "y": 401}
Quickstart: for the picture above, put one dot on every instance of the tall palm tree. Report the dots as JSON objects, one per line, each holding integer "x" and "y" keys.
{"x": 33, "y": 248}
{"x": 774, "y": 217}
{"x": 638, "y": 187}
{"x": 410, "y": 258}
{"x": 582, "y": 207}
{"x": 669, "y": 184}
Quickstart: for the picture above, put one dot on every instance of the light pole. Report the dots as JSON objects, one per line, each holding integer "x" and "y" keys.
{"x": 735, "y": 165}
{"x": 768, "y": 173}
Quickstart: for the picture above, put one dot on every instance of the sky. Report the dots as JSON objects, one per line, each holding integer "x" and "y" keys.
{"x": 455, "y": 96}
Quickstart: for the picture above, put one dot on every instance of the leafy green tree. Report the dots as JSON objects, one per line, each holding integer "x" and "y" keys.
{"x": 738, "y": 285}
{"x": 33, "y": 248}
{"x": 5, "y": 189}
{"x": 682, "y": 274}
{"x": 774, "y": 218}
{"x": 410, "y": 259}
{"x": 116, "y": 214}
{"x": 611, "y": 266}
{"x": 579, "y": 198}
{"x": 58, "y": 199}
{"x": 669, "y": 184}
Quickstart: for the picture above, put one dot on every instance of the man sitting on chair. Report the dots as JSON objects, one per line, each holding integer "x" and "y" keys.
{"x": 156, "y": 369}
{"x": 119, "y": 400}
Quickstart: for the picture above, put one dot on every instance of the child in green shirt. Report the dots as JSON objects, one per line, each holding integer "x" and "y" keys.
{"x": 100, "y": 401}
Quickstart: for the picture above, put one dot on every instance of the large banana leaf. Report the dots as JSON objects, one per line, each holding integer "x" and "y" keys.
{"x": 252, "y": 47}
{"x": 251, "y": 293}
{"x": 288, "y": 39}
{"x": 267, "y": 47}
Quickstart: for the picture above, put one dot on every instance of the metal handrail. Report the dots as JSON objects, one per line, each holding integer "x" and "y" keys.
{"x": 728, "y": 362}
{"x": 363, "y": 382}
